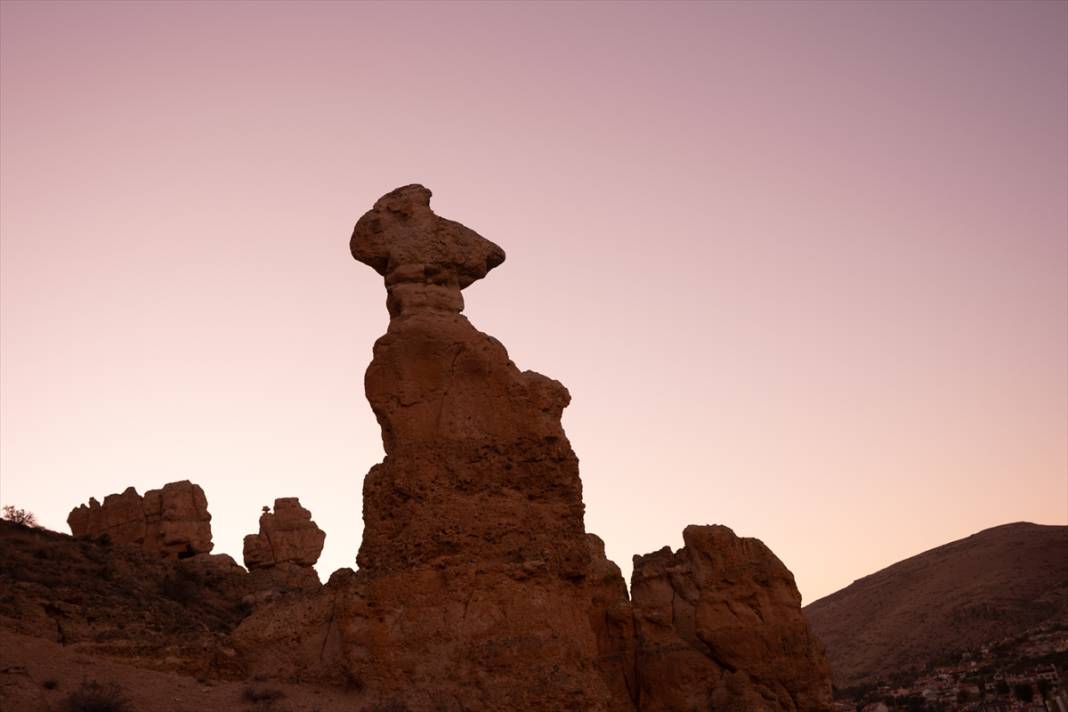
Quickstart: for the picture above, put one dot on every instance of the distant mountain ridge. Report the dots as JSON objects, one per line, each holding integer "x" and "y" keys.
{"x": 953, "y": 598}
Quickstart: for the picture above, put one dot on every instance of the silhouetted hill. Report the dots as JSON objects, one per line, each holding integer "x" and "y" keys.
{"x": 954, "y": 598}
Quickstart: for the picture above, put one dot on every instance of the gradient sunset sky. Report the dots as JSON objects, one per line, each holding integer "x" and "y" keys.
{"x": 803, "y": 266}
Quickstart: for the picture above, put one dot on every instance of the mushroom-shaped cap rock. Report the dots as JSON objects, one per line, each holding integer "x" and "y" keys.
{"x": 404, "y": 241}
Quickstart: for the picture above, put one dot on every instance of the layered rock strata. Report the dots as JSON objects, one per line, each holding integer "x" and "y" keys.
{"x": 478, "y": 587}
{"x": 173, "y": 521}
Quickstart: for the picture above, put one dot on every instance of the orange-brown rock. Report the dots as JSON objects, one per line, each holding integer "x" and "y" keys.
{"x": 121, "y": 517}
{"x": 612, "y": 620}
{"x": 720, "y": 627}
{"x": 471, "y": 590}
{"x": 287, "y": 536}
{"x": 173, "y": 521}
{"x": 474, "y": 550}
{"x": 478, "y": 587}
{"x": 426, "y": 260}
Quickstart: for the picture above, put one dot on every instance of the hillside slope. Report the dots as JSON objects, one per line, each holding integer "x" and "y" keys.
{"x": 956, "y": 597}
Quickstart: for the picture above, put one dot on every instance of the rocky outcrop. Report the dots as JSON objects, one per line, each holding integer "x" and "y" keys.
{"x": 121, "y": 602}
{"x": 280, "y": 557}
{"x": 478, "y": 587}
{"x": 172, "y": 522}
{"x": 471, "y": 590}
{"x": 719, "y": 622}
{"x": 474, "y": 551}
{"x": 287, "y": 536}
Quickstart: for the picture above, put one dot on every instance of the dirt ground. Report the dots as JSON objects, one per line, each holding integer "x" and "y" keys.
{"x": 38, "y": 676}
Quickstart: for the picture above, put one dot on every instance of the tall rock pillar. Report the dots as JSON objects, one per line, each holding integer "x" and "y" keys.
{"x": 474, "y": 552}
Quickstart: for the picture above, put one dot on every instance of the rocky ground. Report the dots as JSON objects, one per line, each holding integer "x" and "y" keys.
{"x": 38, "y": 675}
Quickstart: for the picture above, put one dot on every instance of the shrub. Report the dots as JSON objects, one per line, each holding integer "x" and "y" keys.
{"x": 95, "y": 696}
{"x": 50, "y": 684}
{"x": 19, "y": 516}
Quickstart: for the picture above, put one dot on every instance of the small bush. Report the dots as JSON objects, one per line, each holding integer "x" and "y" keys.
{"x": 95, "y": 696}
{"x": 19, "y": 516}
{"x": 50, "y": 684}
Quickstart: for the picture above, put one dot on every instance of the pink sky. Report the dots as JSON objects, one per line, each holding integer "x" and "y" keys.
{"x": 803, "y": 267}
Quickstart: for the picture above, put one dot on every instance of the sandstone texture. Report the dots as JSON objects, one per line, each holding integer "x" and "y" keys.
{"x": 287, "y": 536}
{"x": 720, "y": 620}
{"x": 172, "y": 522}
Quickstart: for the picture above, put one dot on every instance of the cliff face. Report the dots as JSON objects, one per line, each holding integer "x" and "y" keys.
{"x": 478, "y": 587}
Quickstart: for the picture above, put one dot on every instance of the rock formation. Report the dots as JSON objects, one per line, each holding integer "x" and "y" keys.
{"x": 287, "y": 536}
{"x": 474, "y": 553}
{"x": 173, "y": 521}
{"x": 720, "y": 620}
{"x": 478, "y": 587}
{"x": 280, "y": 557}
